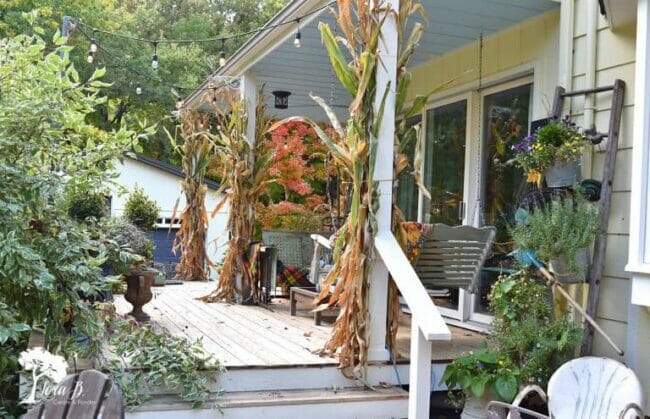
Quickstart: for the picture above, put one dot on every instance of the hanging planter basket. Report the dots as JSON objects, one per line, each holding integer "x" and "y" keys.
{"x": 563, "y": 174}
{"x": 560, "y": 267}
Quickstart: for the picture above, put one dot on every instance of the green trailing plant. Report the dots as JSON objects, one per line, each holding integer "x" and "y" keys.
{"x": 87, "y": 205}
{"x": 526, "y": 346}
{"x": 561, "y": 227}
{"x": 157, "y": 359}
{"x": 141, "y": 210}
{"x": 196, "y": 151}
{"x": 245, "y": 171}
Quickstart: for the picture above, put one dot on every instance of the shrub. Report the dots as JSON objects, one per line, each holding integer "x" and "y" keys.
{"x": 83, "y": 206}
{"x": 140, "y": 210}
{"x": 126, "y": 245}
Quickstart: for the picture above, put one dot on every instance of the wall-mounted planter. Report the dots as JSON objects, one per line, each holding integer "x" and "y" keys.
{"x": 563, "y": 174}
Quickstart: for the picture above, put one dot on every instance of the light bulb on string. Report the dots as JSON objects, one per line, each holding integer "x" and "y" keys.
{"x": 154, "y": 59}
{"x": 214, "y": 97}
{"x": 296, "y": 40}
{"x": 222, "y": 54}
{"x": 90, "y": 57}
{"x": 93, "y": 42}
{"x": 138, "y": 89}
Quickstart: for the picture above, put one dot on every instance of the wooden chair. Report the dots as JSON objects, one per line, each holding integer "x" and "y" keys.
{"x": 589, "y": 387}
{"x": 453, "y": 256}
{"x": 87, "y": 395}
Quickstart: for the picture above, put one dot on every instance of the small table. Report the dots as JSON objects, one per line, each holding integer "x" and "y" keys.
{"x": 306, "y": 294}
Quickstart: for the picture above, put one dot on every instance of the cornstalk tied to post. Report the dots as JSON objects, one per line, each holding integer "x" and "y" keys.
{"x": 244, "y": 170}
{"x": 354, "y": 149}
{"x": 196, "y": 152}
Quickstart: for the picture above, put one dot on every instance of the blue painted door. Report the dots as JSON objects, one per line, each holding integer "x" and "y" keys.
{"x": 163, "y": 238}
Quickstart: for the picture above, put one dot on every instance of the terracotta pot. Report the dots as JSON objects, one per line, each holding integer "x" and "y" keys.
{"x": 138, "y": 291}
{"x": 564, "y": 174}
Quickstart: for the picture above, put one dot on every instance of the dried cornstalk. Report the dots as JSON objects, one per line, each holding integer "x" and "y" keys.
{"x": 245, "y": 174}
{"x": 196, "y": 152}
{"x": 354, "y": 150}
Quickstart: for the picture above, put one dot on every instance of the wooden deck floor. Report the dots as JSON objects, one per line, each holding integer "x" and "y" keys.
{"x": 264, "y": 335}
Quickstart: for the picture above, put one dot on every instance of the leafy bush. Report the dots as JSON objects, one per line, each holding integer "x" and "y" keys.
{"x": 562, "y": 227}
{"x": 289, "y": 216}
{"x": 83, "y": 206}
{"x": 140, "y": 210}
{"x": 49, "y": 262}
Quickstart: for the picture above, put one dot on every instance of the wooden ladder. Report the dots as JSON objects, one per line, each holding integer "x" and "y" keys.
{"x": 600, "y": 245}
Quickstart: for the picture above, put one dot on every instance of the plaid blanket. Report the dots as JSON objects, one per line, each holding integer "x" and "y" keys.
{"x": 292, "y": 276}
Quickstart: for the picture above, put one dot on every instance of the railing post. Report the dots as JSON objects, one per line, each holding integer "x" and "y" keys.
{"x": 419, "y": 374}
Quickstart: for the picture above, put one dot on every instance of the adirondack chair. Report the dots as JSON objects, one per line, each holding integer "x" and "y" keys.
{"x": 453, "y": 256}
{"x": 87, "y": 395}
{"x": 588, "y": 387}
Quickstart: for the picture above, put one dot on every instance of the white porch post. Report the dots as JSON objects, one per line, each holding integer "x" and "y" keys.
{"x": 386, "y": 74}
{"x": 248, "y": 90}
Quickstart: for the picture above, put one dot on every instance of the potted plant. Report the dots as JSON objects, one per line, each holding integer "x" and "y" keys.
{"x": 553, "y": 151}
{"x": 129, "y": 253}
{"x": 560, "y": 232}
{"x": 527, "y": 345}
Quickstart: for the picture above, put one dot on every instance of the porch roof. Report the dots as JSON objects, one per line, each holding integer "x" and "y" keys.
{"x": 278, "y": 65}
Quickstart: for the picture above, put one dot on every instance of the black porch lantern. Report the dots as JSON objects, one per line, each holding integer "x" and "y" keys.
{"x": 281, "y": 99}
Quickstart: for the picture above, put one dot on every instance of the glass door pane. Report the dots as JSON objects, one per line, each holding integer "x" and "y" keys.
{"x": 505, "y": 121}
{"x": 407, "y": 190}
{"x": 444, "y": 176}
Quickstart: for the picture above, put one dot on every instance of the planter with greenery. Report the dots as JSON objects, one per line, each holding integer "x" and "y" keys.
{"x": 559, "y": 233}
{"x": 129, "y": 252}
{"x": 553, "y": 151}
{"x": 527, "y": 345}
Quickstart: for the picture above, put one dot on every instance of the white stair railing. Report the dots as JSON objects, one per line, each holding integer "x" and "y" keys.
{"x": 427, "y": 324}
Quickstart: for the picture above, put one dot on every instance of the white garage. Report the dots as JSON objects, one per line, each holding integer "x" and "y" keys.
{"x": 161, "y": 182}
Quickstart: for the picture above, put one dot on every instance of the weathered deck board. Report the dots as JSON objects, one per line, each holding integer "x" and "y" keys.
{"x": 262, "y": 336}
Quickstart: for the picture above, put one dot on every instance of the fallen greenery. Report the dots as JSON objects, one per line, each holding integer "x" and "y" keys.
{"x": 157, "y": 360}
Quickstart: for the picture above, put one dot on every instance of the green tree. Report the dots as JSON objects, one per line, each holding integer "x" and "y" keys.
{"x": 129, "y": 62}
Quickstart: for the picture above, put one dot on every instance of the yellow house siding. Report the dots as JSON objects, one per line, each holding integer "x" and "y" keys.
{"x": 531, "y": 44}
{"x": 615, "y": 59}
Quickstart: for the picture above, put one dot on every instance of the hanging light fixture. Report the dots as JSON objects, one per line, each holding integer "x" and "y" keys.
{"x": 93, "y": 42}
{"x": 154, "y": 59}
{"x": 281, "y": 99}
{"x": 90, "y": 57}
{"x": 138, "y": 89}
{"x": 296, "y": 40}
{"x": 222, "y": 54}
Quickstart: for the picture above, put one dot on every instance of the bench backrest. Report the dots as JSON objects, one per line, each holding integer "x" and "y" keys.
{"x": 454, "y": 256}
{"x": 87, "y": 395}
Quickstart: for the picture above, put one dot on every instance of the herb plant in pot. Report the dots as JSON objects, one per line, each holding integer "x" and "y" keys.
{"x": 130, "y": 251}
{"x": 552, "y": 151}
{"x": 560, "y": 233}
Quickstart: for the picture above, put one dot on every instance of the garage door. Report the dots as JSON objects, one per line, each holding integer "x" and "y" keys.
{"x": 163, "y": 238}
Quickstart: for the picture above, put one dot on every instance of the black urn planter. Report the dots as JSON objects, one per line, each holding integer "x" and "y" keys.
{"x": 138, "y": 291}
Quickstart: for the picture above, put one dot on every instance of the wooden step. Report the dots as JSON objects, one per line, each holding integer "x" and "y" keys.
{"x": 330, "y": 403}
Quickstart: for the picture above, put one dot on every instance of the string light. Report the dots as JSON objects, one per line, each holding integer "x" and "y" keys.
{"x": 296, "y": 40}
{"x": 93, "y": 42}
{"x": 90, "y": 57}
{"x": 138, "y": 89}
{"x": 222, "y": 54}
{"x": 214, "y": 97}
{"x": 154, "y": 59}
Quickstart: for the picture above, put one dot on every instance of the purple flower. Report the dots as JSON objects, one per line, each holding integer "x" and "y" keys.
{"x": 479, "y": 365}
{"x": 525, "y": 145}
